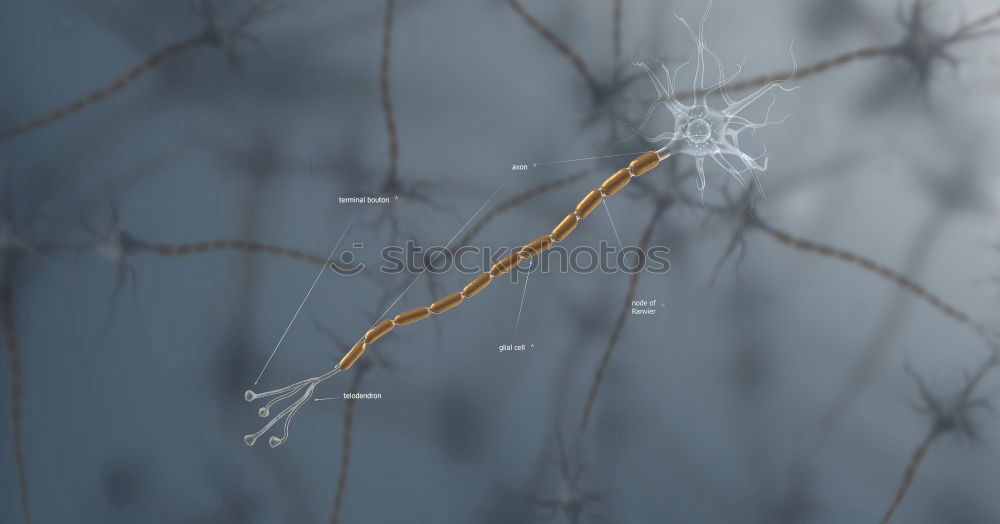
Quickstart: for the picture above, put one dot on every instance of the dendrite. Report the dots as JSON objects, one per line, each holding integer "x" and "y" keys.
{"x": 946, "y": 416}
{"x": 602, "y": 367}
{"x": 704, "y": 131}
{"x": 249, "y": 246}
{"x": 17, "y": 245}
{"x": 738, "y": 212}
{"x": 117, "y": 246}
{"x": 604, "y": 96}
{"x": 12, "y": 342}
{"x": 385, "y": 95}
{"x": 747, "y": 220}
{"x": 869, "y": 265}
{"x": 569, "y": 499}
{"x": 923, "y": 47}
{"x": 550, "y": 37}
{"x": 213, "y": 35}
{"x": 616, "y": 22}
{"x": 417, "y": 191}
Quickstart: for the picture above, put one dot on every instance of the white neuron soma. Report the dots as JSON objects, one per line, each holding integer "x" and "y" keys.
{"x": 701, "y": 130}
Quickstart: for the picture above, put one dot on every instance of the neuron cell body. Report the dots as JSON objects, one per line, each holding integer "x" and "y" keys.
{"x": 701, "y": 130}
{"x": 923, "y": 46}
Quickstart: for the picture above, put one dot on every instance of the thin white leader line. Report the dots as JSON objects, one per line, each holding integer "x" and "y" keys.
{"x": 303, "y": 303}
{"x": 613, "y": 228}
{"x": 326, "y": 398}
{"x": 519, "y": 308}
{"x": 448, "y": 245}
{"x": 582, "y": 159}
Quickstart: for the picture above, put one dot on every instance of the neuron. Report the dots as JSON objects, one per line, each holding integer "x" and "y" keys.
{"x": 947, "y": 415}
{"x": 703, "y": 131}
{"x": 212, "y": 35}
{"x": 700, "y": 131}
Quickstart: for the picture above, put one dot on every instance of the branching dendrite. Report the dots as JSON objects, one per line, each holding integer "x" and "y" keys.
{"x": 951, "y": 415}
{"x": 703, "y": 131}
{"x": 416, "y": 191}
{"x": 921, "y": 46}
{"x": 11, "y": 341}
{"x": 747, "y": 220}
{"x": 616, "y": 333}
{"x": 213, "y": 35}
{"x": 604, "y": 95}
{"x": 115, "y": 245}
{"x": 797, "y": 73}
{"x": 808, "y": 246}
{"x": 248, "y": 246}
{"x": 924, "y": 46}
{"x": 118, "y": 245}
{"x": 385, "y": 94}
{"x": 616, "y": 22}
{"x": 569, "y": 498}
{"x": 550, "y": 37}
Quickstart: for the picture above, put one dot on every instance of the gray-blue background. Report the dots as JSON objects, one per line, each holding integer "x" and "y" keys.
{"x": 711, "y": 410}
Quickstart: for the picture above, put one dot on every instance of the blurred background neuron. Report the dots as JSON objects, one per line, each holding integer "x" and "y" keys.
{"x": 170, "y": 185}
